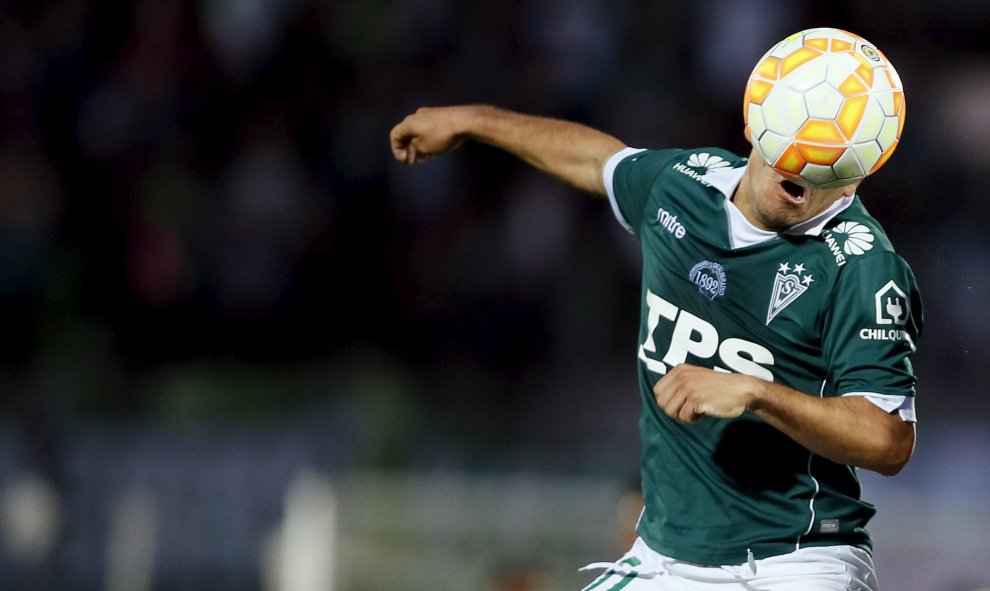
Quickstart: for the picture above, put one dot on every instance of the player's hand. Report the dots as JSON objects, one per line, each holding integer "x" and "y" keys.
{"x": 427, "y": 132}
{"x": 688, "y": 393}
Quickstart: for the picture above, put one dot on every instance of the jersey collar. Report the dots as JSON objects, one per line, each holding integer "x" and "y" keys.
{"x": 743, "y": 233}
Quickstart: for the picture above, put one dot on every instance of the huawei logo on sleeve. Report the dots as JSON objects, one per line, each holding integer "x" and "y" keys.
{"x": 848, "y": 239}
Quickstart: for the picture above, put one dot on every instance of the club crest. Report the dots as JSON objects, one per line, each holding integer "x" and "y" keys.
{"x": 788, "y": 285}
{"x": 709, "y": 277}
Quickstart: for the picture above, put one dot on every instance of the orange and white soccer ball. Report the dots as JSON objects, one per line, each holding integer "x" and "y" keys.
{"x": 824, "y": 108}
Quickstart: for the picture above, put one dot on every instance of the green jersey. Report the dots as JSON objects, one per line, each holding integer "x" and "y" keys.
{"x": 827, "y": 308}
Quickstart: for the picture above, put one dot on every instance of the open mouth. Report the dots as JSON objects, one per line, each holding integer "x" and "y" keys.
{"x": 793, "y": 188}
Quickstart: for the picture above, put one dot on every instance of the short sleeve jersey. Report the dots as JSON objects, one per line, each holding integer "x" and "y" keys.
{"x": 830, "y": 310}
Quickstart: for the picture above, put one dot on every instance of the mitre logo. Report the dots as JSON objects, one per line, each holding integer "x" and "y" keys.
{"x": 669, "y": 222}
{"x": 704, "y": 161}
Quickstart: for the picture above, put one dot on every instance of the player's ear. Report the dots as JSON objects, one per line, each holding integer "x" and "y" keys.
{"x": 749, "y": 134}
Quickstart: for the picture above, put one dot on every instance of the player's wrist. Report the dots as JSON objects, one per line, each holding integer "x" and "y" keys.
{"x": 478, "y": 122}
{"x": 759, "y": 394}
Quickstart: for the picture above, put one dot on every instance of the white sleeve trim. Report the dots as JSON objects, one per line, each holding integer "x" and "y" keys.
{"x": 904, "y": 405}
{"x": 607, "y": 175}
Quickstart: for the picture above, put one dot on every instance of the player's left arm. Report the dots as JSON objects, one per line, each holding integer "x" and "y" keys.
{"x": 845, "y": 429}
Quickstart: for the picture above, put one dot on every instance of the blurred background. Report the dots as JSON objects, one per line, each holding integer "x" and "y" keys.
{"x": 243, "y": 349}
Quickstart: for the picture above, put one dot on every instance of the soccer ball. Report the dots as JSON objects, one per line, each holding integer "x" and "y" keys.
{"x": 824, "y": 108}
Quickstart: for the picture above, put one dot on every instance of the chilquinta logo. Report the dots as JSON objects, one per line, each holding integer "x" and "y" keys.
{"x": 893, "y": 310}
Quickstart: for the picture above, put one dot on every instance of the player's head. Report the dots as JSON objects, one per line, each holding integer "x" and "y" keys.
{"x": 824, "y": 108}
{"x": 773, "y": 202}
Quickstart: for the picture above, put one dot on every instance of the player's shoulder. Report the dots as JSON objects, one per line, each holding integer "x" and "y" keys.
{"x": 858, "y": 231}
{"x": 712, "y": 158}
{"x": 700, "y": 160}
{"x": 854, "y": 237}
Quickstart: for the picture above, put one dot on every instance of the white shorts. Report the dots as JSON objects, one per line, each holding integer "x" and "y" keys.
{"x": 826, "y": 568}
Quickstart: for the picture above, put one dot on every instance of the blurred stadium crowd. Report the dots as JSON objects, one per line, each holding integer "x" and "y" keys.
{"x": 206, "y": 252}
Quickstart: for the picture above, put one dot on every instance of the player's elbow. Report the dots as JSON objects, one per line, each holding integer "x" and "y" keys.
{"x": 897, "y": 451}
{"x": 892, "y": 467}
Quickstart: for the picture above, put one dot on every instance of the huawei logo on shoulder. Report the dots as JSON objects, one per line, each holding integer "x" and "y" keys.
{"x": 848, "y": 239}
{"x": 707, "y": 161}
{"x": 857, "y": 237}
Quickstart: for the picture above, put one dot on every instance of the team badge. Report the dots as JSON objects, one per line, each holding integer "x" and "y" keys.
{"x": 710, "y": 279}
{"x": 788, "y": 285}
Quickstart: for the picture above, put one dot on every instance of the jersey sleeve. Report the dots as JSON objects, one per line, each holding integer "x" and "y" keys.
{"x": 871, "y": 327}
{"x": 629, "y": 175}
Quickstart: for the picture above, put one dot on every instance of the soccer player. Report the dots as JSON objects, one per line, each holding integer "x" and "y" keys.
{"x": 777, "y": 327}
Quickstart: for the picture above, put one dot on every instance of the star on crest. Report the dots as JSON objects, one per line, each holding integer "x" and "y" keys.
{"x": 784, "y": 268}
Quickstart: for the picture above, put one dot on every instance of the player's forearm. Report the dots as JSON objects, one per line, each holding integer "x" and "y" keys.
{"x": 571, "y": 152}
{"x": 846, "y": 430}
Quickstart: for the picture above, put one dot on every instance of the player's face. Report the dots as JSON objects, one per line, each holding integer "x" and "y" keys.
{"x": 771, "y": 202}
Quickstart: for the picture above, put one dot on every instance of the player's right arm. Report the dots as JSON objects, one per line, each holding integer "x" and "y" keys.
{"x": 571, "y": 152}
